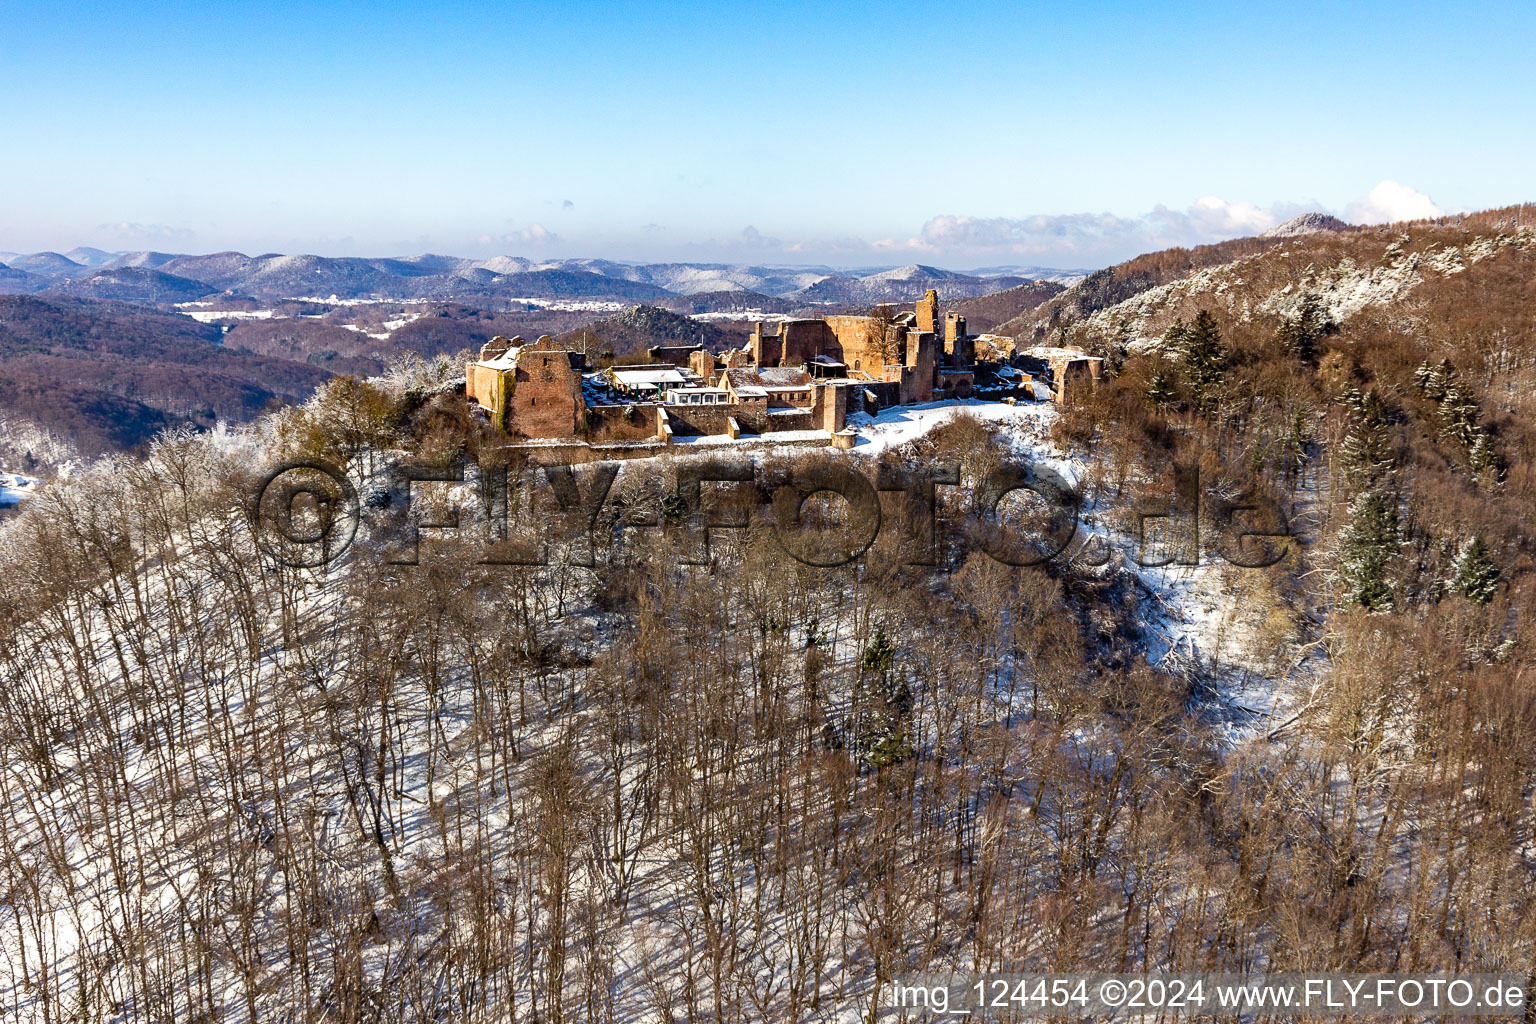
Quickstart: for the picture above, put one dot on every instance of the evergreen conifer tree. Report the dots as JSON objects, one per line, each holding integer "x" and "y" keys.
{"x": 1298, "y": 443}
{"x": 1459, "y": 414}
{"x": 1483, "y": 456}
{"x": 1476, "y": 575}
{"x": 1422, "y": 376}
{"x": 1366, "y": 547}
{"x": 1204, "y": 358}
{"x": 1300, "y": 333}
{"x": 1174, "y": 337}
{"x": 1439, "y": 380}
{"x": 1367, "y": 448}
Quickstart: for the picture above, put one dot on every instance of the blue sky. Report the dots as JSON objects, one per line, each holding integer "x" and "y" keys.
{"x": 1061, "y": 134}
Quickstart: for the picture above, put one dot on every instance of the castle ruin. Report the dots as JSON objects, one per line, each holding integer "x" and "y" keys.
{"x": 791, "y": 377}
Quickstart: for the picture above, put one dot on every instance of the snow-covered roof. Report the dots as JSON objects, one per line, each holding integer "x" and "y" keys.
{"x": 649, "y": 376}
{"x": 506, "y": 361}
{"x": 780, "y": 376}
{"x": 1057, "y": 352}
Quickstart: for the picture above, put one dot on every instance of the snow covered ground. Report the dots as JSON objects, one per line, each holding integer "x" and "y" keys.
{"x": 1195, "y": 619}
{"x": 389, "y": 326}
{"x": 770, "y": 438}
{"x": 333, "y": 300}
{"x": 900, "y": 424}
{"x": 573, "y": 305}
{"x": 208, "y": 316}
{"x": 742, "y": 314}
{"x": 14, "y": 487}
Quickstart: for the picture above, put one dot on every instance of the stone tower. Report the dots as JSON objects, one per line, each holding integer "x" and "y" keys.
{"x": 956, "y": 342}
{"x": 928, "y": 311}
{"x": 920, "y": 357}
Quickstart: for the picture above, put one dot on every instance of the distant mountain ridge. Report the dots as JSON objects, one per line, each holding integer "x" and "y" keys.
{"x": 275, "y": 276}
{"x": 135, "y": 284}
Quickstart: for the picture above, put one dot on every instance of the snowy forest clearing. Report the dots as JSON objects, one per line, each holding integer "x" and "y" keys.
{"x": 14, "y": 487}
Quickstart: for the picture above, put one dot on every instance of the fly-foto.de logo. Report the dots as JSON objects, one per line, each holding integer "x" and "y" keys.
{"x": 1020, "y": 513}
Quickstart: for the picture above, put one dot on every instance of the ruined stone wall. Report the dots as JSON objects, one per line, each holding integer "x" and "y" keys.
{"x": 546, "y": 397}
{"x": 957, "y": 345}
{"x": 788, "y": 419}
{"x": 751, "y": 414}
{"x": 829, "y": 406}
{"x": 859, "y": 342}
{"x": 921, "y": 346}
{"x": 701, "y": 419}
{"x": 677, "y": 355}
{"x": 928, "y": 312}
{"x": 797, "y": 341}
{"x": 767, "y": 349}
{"x": 872, "y": 396}
{"x": 1074, "y": 378}
{"x": 487, "y": 387}
{"x": 804, "y": 340}
{"x": 955, "y": 384}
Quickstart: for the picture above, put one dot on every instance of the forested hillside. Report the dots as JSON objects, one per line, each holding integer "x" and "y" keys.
{"x": 601, "y": 765}
{"x": 107, "y": 376}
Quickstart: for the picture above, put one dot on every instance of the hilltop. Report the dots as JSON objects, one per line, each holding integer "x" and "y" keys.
{"x": 1305, "y": 224}
{"x": 1359, "y": 274}
{"x": 636, "y": 329}
{"x": 987, "y": 312}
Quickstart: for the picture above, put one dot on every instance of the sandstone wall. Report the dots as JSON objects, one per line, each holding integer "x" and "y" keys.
{"x": 700, "y": 419}
{"x": 546, "y": 396}
{"x": 487, "y": 387}
{"x": 928, "y": 312}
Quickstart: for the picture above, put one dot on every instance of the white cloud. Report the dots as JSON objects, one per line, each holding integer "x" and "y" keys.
{"x": 1064, "y": 240}
{"x": 1212, "y": 216}
{"x": 131, "y": 231}
{"x": 1100, "y": 237}
{"x": 1021, "y": 234}
{"x": 533, "y": 234}
{"x": 754, "y": 240}
{"x": 1073, "y": 239}
{"x": 1392, "y": 201}
{"x": 1087, "y": 239}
